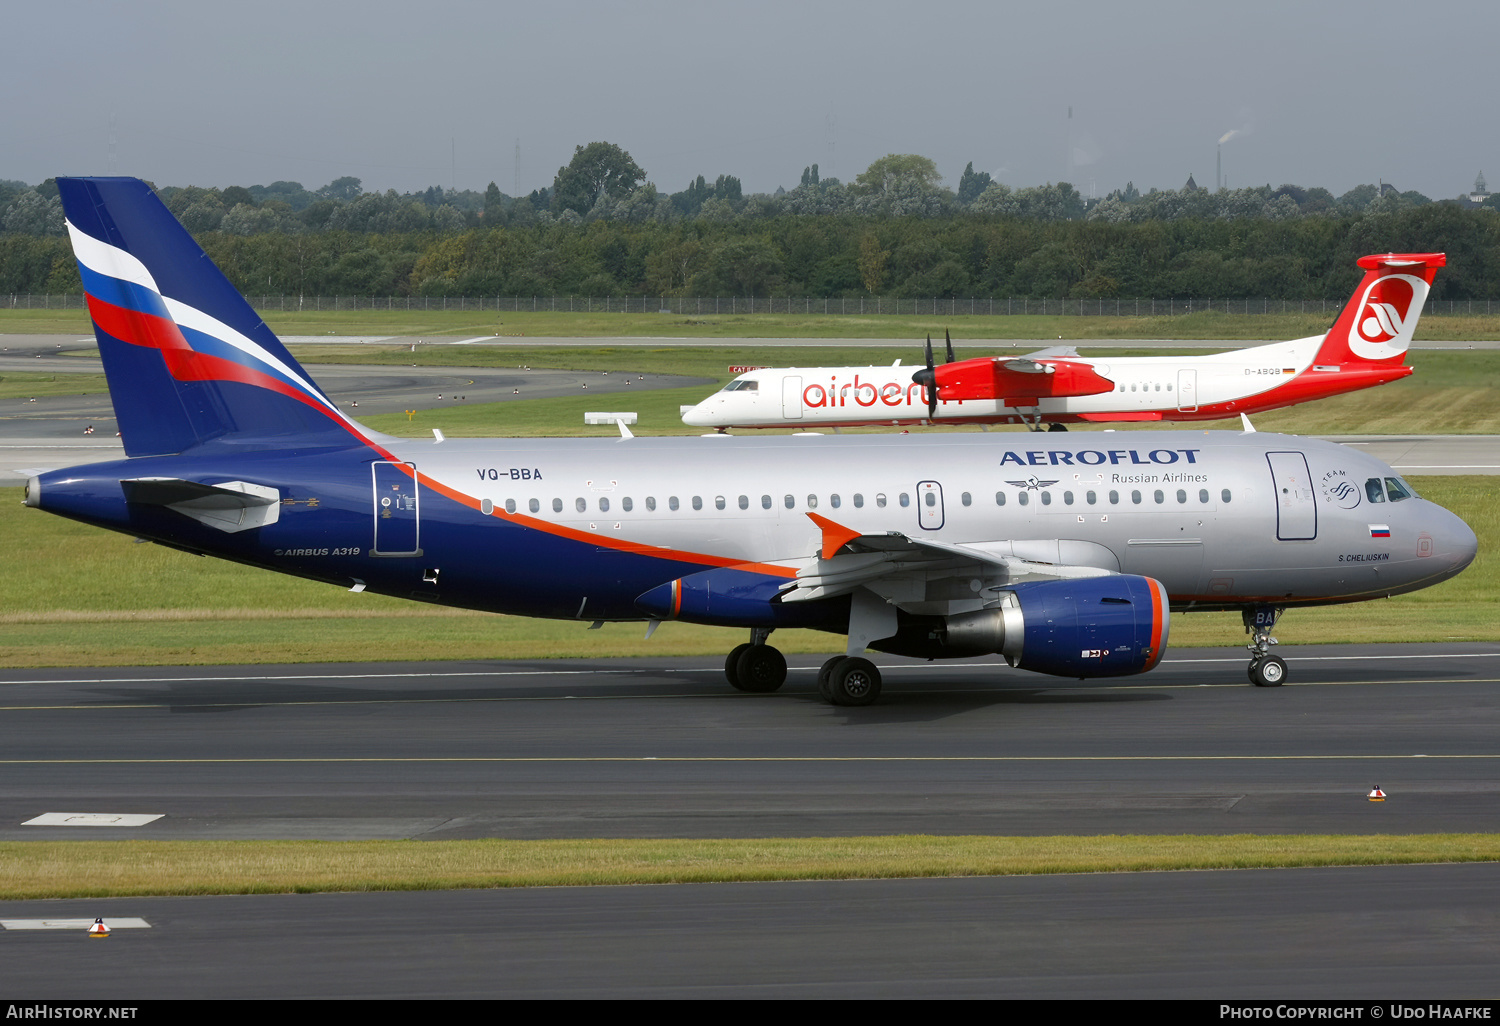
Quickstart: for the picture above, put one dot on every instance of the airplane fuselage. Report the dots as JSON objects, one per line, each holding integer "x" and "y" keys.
{"x": 580, "y": 529}
{"x": 1146, "y": 388}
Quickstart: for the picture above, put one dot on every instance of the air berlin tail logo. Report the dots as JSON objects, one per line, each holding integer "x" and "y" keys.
{"x": 1387, "y": 316}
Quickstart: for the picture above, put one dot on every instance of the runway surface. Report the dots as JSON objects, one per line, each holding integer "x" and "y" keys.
{"x": 664, "y": 748}
{"x": 1427, "y": 932}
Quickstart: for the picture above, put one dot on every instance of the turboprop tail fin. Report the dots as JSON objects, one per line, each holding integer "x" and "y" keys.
{"x": 1377, "y": 324}
{"x": 187, "y": 358}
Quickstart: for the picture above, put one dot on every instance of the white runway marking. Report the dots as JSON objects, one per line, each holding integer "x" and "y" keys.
{"x": 128, "y": 923}
{"x": 94, "y": 819}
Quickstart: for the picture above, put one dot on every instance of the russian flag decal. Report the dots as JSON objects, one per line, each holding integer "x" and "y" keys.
{"x": 1380, "y": 531}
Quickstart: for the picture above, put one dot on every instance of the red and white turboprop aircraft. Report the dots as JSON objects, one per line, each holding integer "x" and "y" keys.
{"x": 1365, "y": 347}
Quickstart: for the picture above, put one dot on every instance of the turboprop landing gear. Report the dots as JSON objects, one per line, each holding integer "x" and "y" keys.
{"x": 756, "y": 666}
{"x": 1265, "y": 670}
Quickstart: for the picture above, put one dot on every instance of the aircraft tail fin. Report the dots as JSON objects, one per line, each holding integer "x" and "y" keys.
{"x": 187, "y": 359}
{"x": 1377, "y": 324}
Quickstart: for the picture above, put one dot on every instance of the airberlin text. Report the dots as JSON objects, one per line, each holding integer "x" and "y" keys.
{"x": 509, "y": 473}
{"x": 1097, "y": 457}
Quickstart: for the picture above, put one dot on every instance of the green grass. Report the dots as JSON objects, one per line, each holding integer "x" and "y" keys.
{"x": 72, "y": 869}
{"x": 22, "y": 385}
{"x": 73, "y": 595}
{"x": 1211, "y": 325}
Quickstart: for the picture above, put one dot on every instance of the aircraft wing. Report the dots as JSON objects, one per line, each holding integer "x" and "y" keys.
{"x": 900, "y": 566}
{"x": 1054, "y": 353}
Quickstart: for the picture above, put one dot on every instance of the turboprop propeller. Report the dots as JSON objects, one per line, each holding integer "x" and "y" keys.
{"x": 927, "y": 376}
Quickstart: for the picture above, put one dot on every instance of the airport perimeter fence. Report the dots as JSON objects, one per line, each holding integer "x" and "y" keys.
{"x": 857, "y": 306}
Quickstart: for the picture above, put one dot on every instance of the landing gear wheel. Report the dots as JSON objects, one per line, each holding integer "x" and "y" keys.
{"x": 732, "y": 664}
{"x": 1268, "y": 672}
{"x": 761, "y": 669}
{"x": 854, "y": 681}
{"x": 825, "y": 675}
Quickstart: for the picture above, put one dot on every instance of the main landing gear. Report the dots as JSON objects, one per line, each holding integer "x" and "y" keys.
{"x": 755, "y": 666}
{"x": 1266, "y": 670}
{"x": 849, "y": 680}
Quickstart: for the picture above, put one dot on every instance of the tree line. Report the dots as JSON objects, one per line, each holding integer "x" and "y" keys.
{"x": 601, "y": 229}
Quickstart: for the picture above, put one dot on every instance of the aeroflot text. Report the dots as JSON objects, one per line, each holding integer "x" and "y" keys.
{"x": 1094, "y": 457}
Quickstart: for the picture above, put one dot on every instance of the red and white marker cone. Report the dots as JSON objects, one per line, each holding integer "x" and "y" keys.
{"x": 98, "y": 929}
{"x": 1376, "y": 795}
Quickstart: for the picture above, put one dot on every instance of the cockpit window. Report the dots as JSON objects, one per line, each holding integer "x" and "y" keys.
{"x": 1373, "y": 490}
{"x": 1397, "y": 489}
{"x": 742, "y": 385}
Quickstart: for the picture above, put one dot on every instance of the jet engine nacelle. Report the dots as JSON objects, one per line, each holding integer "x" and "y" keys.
{"x": 1092, "y": 627}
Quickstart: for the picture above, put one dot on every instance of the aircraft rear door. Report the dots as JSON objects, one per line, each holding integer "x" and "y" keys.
{"x": 396, "y": 509}
{"x": 791, "y": 397}
{"x": 1187, "y": 390}
{"x": 929, "y": 505}
{"x": 1296, "y": 502}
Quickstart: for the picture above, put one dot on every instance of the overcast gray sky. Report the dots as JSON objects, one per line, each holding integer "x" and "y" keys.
{"x": 407, "y": 95}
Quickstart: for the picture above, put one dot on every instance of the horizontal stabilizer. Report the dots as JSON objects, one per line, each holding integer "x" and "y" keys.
{"x": 230, "y": 506}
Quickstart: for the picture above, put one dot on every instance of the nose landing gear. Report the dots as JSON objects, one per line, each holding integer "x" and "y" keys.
{"x": 1265, "y": 670}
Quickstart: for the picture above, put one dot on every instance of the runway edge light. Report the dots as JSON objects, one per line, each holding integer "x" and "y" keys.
{"x": 1376, "y": 795}
{"x": 98, "y": 929}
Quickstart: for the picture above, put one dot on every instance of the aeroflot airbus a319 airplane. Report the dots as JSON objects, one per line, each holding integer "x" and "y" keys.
{"x": 1066, "y": 556}
{"x": 1365, "y": 347}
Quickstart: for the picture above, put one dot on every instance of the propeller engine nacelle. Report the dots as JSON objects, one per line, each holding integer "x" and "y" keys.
{"x": 1010, "y": 378}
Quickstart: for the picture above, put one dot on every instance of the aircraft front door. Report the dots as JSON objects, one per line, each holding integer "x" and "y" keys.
{"x": 929, "y": 505}
{"x": 1296, "y": 502}
{"x": 397, "y": 525}
{"x": 791, "y": 397}
{"x": 1187, "y": 390}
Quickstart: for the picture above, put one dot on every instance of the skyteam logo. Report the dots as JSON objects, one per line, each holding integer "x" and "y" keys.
{"x": 1387, "y": 316}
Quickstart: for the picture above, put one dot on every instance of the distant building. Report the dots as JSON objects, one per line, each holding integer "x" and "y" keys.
{"x": 1386, "y": 188}
{"x": 1480, "y": 193}
{"x": 1191, "y": 185}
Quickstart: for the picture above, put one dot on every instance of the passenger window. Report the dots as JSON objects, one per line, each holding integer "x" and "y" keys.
{"x": 1224, "y": 495}
{"x": 510, "y": 505}
{"x": 1373, "y": 491}
{"x": 905, "y": 500}
{"x": 1091, "y": 497}
{"x": 534, "y": 505}
{"x": 718, "y": 502}
{"x": 765, "y": 502}
{"x": 1135, "y": 496}
{"x": 581, "y": 505}
{"x": 1068, "y": 498}
{"x": 789, "y": 502}
{"x": 626, "y": 504}
{"x": 812, "y": 502}
{"x": 1169, "y": 386}
{"x": 1046, "y": 498}
{"x": 859, "y": 501}
{"x": 1397, "y": 492}
{"x": 1182, "y": 495}
{"x": 1159, "y": 497}
{"x": 834, "y": 501}
{"x": 1203, "y": 495}
{"x": 557, "y": 505}
{"x": 1114, "y": 497}
{"x": 999, "y": 498}
{"x": 697, "y": 502}
{"x": 744, "y": 502}
{"x": 672, "y": 503}
{"x": 651, "y": 503}
{"x": 966, "y": 499}
{"x": 931, "y": 498}
{"x": 603, "y": 504}
{"x": 880, "y": 500}
{"x": 1023, "y": 498}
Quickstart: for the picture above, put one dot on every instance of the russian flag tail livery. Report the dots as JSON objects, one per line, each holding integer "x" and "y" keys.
{"x": 187, "y": 359}
{"x": 1377, "y": 324}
